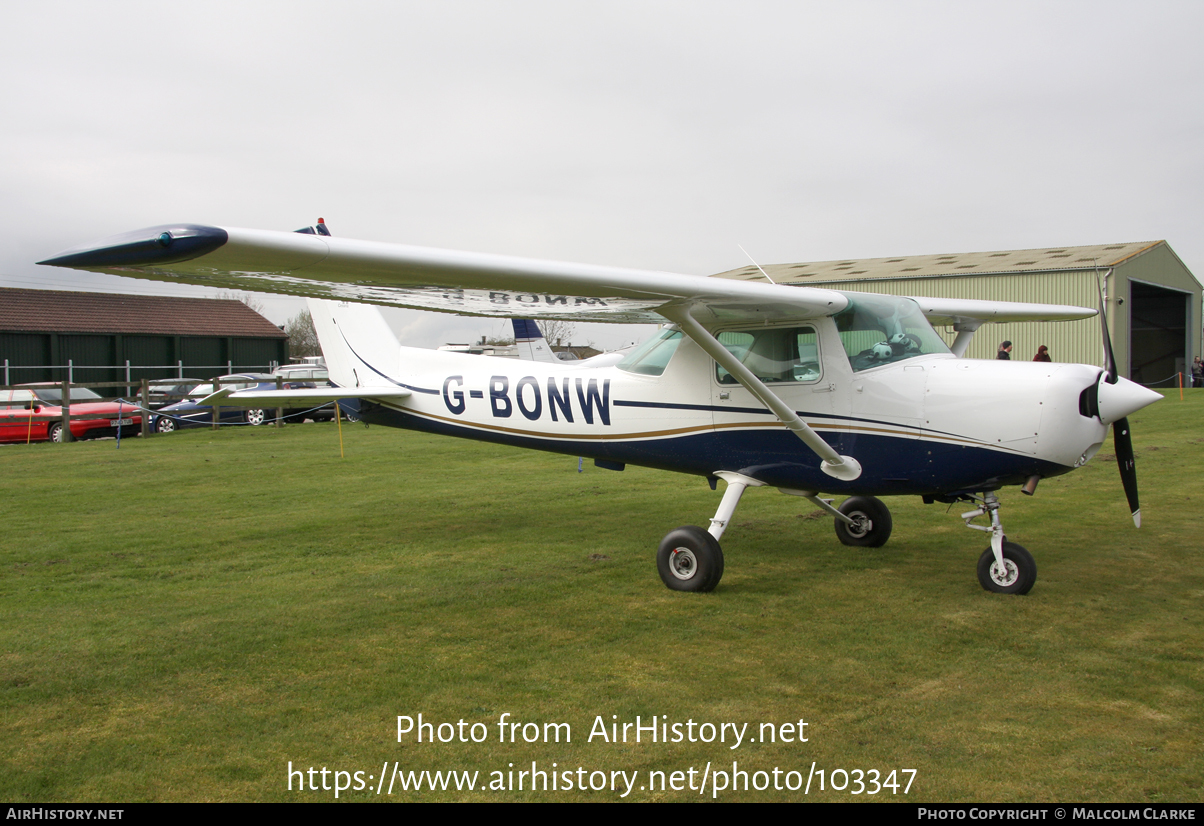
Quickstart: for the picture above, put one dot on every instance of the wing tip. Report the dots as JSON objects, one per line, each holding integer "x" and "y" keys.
{"x": 160, "y": 245}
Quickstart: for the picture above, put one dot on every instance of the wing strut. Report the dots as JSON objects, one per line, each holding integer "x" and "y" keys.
{"x": 845, "y": 468}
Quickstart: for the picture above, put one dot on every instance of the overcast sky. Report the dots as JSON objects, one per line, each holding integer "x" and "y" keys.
{"x": 658, "y": 135}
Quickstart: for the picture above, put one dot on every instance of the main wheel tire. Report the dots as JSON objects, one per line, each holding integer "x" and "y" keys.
{"x": 1017, "y": 576}
{"x": 690, "y": 559}
{"x": 873, "y": 522}
{"x": 165, "y": 424}
{"x": 55, "y": 432}
{"x": 255, "y": 416}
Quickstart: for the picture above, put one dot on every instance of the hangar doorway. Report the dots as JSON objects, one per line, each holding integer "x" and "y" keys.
{"x": 1158, "y": 342}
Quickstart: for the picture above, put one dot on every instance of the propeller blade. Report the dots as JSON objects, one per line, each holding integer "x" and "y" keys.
{"x": 1103, "y": 318}
{"x": 1122, "y": 438}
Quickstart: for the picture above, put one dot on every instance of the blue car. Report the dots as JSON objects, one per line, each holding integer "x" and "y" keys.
{"x": 190, "y": 413}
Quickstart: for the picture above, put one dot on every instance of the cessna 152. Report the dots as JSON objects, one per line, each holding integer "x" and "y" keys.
{"x": 807, "y": 390}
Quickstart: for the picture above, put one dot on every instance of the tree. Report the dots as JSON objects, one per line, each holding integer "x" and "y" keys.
{"x": 557, "y": 332}
{"x": 246, "y": 298}
{"x": 302, "y": 337}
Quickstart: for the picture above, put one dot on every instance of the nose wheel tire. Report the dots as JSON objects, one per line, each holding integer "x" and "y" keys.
{"x": 1017, "y": 576}
{"x": 872, "y": 522}
{"x": 689, "y": 559}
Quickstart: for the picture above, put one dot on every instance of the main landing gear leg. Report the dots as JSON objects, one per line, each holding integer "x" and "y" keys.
{"x": 1005, "y": 567}
{"x": 736, "y": 484}
{"x": 689, "y": 558}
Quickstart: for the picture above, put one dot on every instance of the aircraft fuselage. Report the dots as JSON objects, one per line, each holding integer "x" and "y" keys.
{"x": 929, "y": 425}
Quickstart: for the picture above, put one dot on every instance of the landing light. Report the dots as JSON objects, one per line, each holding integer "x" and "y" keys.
{"x": 164, "y": 239}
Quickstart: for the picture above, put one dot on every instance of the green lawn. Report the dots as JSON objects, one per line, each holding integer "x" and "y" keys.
{"x": 183, "y": 617}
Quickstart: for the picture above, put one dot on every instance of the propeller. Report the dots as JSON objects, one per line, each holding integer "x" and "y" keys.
{"x": 1123, "y": 441}
{"x": 1111, "y": 397}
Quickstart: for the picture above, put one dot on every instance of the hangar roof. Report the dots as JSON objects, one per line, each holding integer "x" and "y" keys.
{"x": 76, "y": 312}
{"x": 965, "y": 263}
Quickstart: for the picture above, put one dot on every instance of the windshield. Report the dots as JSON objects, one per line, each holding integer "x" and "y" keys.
{"x": 883, "y": 329}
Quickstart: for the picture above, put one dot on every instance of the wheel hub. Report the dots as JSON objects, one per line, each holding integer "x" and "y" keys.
{"x": 683, "y": 563}
{"x": 1004, "y": 576}
{"x": 861, "y": 526}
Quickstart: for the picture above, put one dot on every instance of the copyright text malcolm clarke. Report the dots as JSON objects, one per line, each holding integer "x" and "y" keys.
{"x": 1098, "y": 811}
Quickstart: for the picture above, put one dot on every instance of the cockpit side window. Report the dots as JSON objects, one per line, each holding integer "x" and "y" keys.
{"x": 879, "y": 329}
{"x": 773, "y": 354}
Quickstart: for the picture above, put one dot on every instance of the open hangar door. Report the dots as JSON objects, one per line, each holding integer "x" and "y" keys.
{"x": 1159, "y": 347}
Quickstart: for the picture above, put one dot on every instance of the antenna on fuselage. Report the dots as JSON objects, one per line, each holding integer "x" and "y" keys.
{"x": 758, "y": 266}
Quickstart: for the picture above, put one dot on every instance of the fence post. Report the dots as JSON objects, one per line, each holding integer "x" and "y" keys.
{"x": 6, "y": 381}
{"x": 217, "y": 419}
{"x": 279, "y": 410}
{"x": 70, "y": 370}
{"x": 127, "y": 377}
{"x": 180, "y": 363}
{"x": 145, "y": 407}
{"x": 66, "y": 386}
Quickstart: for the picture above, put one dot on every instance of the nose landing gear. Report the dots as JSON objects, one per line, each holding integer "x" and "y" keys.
{"x": 1015, "y": 576}
{"x": 1005, "y": 567}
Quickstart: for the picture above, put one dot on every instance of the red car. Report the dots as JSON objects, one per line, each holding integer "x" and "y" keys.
{"x": 33, "y": 413}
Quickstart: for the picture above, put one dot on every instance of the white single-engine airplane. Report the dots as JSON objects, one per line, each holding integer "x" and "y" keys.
{"x": 807, "y": 390}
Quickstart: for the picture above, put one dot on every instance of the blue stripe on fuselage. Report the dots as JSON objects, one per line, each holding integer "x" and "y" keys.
{"x": 774, "y": 456}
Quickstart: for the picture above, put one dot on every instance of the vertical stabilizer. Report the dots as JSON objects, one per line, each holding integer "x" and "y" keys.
{"x": 532, "y": 346}
{"x": 357, "y": 342}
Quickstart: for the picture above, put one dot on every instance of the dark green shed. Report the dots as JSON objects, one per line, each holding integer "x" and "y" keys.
{"x": 47, "y": 334}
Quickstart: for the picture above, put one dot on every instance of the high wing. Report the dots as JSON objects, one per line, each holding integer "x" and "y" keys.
{"x": 966, "y": 315}
{"x": 320, "y": 266}
{"x": 964, "y": 311}
{"x": 431, "y": 279}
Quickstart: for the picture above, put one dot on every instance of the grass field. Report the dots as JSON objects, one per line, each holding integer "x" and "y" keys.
{"x": 183, "y": 617}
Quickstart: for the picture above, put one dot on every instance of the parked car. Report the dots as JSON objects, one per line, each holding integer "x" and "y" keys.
{"x": 191, "y": 413}
{"x": 169, "y": 391}
{"x": 311, "y": 372}
{"x": 34, "y": 412}
{"x": 304, "y": 372}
